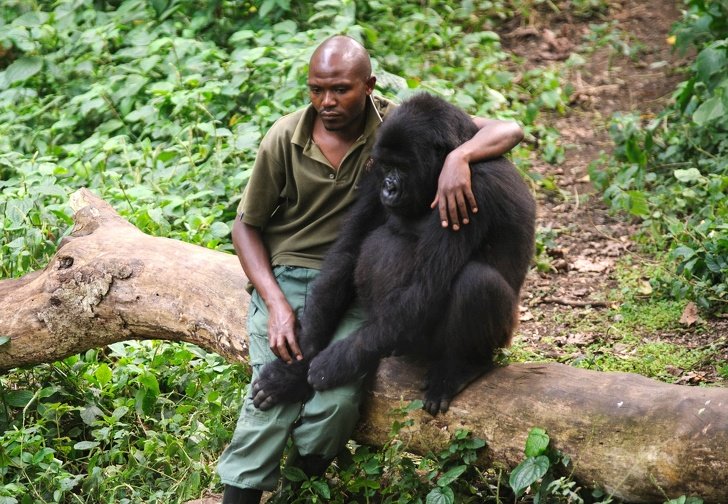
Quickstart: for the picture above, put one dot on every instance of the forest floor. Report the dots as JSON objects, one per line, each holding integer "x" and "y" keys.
{"x": 573, "y": 312}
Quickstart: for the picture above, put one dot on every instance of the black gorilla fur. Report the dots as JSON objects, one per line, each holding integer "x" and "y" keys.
{"x": 450, "y": 296}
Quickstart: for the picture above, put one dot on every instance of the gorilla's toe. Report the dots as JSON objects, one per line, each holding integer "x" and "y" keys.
{"x": 278, "y": 383}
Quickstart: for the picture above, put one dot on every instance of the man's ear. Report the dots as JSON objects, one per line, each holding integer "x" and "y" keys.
{"x": 370, "y": 82}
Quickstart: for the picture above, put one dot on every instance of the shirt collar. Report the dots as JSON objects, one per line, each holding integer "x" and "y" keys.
{"x": 304, "y": 129}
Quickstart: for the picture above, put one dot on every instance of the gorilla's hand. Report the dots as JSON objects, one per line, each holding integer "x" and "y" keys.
{"x": 279, "y": 382}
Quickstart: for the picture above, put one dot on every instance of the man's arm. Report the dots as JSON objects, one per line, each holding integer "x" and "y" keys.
{"x": 255, "y": 260}
{"x": 454, "y": 194}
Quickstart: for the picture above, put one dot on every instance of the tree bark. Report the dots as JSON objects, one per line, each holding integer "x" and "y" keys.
{"x": 635, "y": 438}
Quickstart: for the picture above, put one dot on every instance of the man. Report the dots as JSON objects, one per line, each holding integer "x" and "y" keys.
{"x": 304, "y": 179}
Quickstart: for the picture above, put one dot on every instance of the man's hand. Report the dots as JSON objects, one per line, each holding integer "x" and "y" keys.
{"x": 454, "y": 198}
{"x": 282, "y": 338}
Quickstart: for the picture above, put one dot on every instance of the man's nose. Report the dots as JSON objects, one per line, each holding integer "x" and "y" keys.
{"x": 328, "y": 100}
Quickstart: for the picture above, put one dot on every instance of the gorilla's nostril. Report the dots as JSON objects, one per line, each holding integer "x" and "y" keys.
{"x": 390, "y": 187}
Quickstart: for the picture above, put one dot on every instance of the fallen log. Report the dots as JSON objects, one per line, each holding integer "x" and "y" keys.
{"x": 638, "y": 439}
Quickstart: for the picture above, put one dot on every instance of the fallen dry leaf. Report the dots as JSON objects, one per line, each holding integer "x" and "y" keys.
{"x": 587, "y": 266}
{"x": 689, "y": 314}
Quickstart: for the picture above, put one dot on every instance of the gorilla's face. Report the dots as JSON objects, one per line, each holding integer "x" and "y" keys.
{"x": 406, "y": 190}
{"x": 392, "y": 190}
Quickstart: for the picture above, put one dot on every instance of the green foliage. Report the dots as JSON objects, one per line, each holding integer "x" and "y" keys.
{"x": 393, "y": 475}
{"x": 115, "y": 426}
{"x": 535, "y": 472}
{"x": 672, "y": 173}
{"x": 159, "y": 106}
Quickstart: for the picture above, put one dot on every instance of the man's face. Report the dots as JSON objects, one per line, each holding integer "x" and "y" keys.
{"x": 338, "y": 93}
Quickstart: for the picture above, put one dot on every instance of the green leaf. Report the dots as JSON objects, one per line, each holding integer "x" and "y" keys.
{"x": 322, "y": 488}
{"x": 689, "y": 175}
{"x": 159, "y": 6}
{"x": 90, "y": 413}
{"x": 683, "y": 251}
{"x": 219, "y": 229}
{"x": 119, "y": 412}
{"x": 527, "y": 473}
{"x": 85, "y": 445}
{"x": 144, "y": 401}
{"x": 149, "y": 382}
{"x": 712, "y": 264}
{"x": 23, "y": 69}
{"x": 551, "y": 99}
{"x": 450, "y": 476}
{"x": 103, "y": 374}
{"x": 18, "y": 398}
{"x": 709, "y": 110}
{"x": 710, "y": 61}
{"x": 4, "y": 340}
{"x": 440, "y": 496}
{"x": 294, "y": 474}
{"x": 474, "y": 443}
{"x": 266, "y": 7}
{"x": 537, "y": 442}
{"x": 638, "y": 203}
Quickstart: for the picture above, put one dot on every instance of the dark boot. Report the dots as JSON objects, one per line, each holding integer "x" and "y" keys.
{"x": 312, "y": 465}
{"x": 235, "y": 495}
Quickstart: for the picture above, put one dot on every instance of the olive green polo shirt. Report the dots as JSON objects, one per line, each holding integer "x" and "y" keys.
{"x": 295, "y": 196}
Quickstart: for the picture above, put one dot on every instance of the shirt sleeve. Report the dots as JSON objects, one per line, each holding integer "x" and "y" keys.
{"x": 263, "y": 191}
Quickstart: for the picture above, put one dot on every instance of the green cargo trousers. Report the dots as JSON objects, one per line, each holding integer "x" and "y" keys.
{"x": 320, "y": 426}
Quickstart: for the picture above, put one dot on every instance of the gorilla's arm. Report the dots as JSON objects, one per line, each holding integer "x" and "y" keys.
{"x": 333, "y": 291}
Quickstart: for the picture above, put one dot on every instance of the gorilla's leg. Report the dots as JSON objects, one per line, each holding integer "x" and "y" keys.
{"x": 480, "y": 318}
{"x": 349, "y": 359}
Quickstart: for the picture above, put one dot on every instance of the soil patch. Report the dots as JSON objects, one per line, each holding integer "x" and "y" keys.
{"x": 570, "y": 308}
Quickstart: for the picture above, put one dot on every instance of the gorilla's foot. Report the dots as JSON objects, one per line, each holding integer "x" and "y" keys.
{"x": 443, "y": 384}
{"x": 279, "y": 382}
{"x": 327, "y": 371}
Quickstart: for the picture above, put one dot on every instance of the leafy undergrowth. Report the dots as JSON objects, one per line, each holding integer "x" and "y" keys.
{"x": 671, "y": 172}
{"x": 158, "y": 106}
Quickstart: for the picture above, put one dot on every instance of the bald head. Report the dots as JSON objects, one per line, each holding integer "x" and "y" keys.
{"x": 340, "y": 50}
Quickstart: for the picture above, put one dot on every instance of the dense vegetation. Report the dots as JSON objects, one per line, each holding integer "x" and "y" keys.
{"x": 158, "y": 106}
{"x": 672, "y": 172}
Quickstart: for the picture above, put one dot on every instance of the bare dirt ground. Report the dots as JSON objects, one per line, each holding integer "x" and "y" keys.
{"x": 575, "y": 305}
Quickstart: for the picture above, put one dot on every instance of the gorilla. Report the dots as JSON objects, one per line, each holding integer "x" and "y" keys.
{"x": 450, "y": 297}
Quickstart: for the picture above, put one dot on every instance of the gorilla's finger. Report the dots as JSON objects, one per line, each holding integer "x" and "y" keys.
{"x": 256, "y": 387}
{"x": 432, "y": 407}
{"x": 267, "y": 404}
{"x": 444, "y": 405}
{"x": 259, "y": 399}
